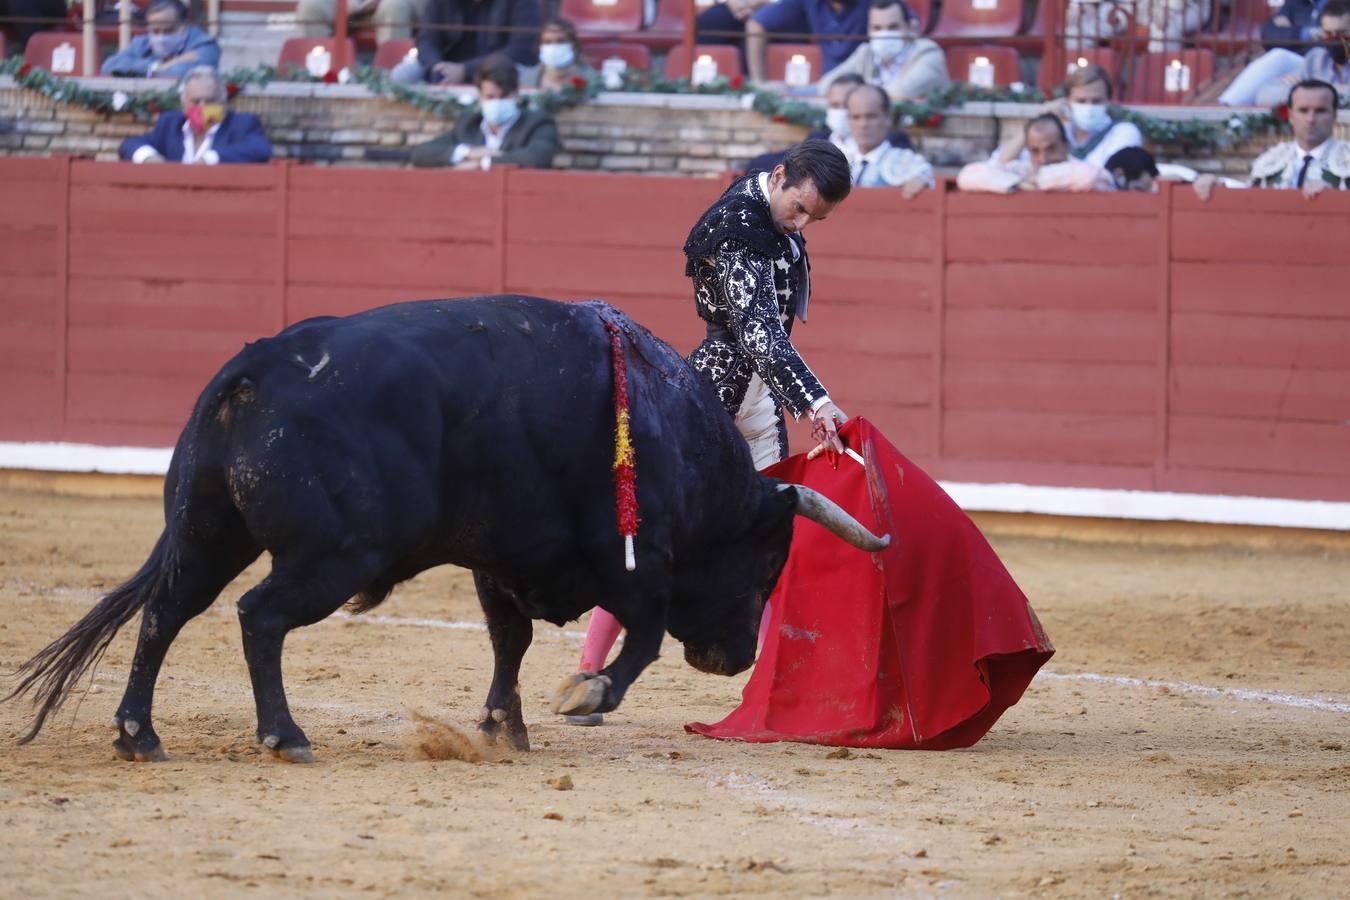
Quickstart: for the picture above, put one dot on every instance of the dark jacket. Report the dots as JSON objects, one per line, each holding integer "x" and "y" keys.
{"x": 1303, "y": 16}
{"x": 531, "y": 142}
{"x": 240, "y": 139}
{"x": 443, "y": 37}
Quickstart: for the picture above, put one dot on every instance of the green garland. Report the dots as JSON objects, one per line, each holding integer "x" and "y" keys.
{"x": 927, "y": 113}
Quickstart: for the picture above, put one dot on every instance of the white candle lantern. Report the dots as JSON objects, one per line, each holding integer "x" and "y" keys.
{"x": 319, "y": 61}
{"x": 611, "y": 70}
{"x": 981, "y": 72}
{"x": 798, "y": 72}
{"x": 705, "y": 70}
{"x": 1177, "y": 77}
{"x": 984, "y": 5}
{"x": 63, "y": 59}
{"x": 1080, "y": 63}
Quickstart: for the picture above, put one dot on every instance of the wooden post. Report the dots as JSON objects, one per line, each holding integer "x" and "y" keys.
{"x": 213, "y": 17}
{"x": 1051, "y": 54}
{"x": 687, "y": 39}
{"x": 90, "y": 38}
{"x": 123, "y": 24}
{"x": 340, "y": 36}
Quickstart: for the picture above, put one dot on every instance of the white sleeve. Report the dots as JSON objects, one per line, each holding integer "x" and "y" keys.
{"x": 1121, "y": 135}
{"x": 457, "y": 156}
{"x": 144, "y": 153}
{"x": 211, "y": 158}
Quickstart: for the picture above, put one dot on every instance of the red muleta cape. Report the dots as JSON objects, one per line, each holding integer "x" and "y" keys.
{"x": 919, "y": 647}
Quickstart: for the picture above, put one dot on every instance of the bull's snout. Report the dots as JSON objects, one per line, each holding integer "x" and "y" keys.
{"x": 717, "y": 660}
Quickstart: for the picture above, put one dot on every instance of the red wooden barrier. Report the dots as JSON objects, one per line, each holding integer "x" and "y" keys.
{"x": 1121, "y": 341}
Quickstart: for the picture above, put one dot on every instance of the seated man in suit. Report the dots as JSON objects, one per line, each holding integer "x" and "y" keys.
{"x": 170, "y": 48}
{"x": 500, "y": 132}
{"x": 873, "y": 161}
{"x": 204, "y": 132}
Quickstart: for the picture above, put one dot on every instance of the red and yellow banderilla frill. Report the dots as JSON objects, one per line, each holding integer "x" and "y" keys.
{"x": 625, "y": 458}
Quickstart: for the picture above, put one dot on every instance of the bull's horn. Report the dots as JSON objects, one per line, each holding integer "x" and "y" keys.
{"x": 825, "y": 512}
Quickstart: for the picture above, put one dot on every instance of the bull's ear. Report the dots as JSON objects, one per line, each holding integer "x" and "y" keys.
{"x": 778, "y": 504}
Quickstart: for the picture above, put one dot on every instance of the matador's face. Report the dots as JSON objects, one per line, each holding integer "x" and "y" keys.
{"x": 793, "y": 208}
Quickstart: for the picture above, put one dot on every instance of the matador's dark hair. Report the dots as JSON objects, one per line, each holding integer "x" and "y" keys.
{"x": 823, "y": 163}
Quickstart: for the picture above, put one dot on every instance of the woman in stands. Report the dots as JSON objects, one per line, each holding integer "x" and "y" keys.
{"x": 1094, "y": 136}
{"x": 559, "y": 58}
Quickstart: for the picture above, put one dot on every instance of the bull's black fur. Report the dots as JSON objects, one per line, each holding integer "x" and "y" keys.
{"x": 361, "y": 451}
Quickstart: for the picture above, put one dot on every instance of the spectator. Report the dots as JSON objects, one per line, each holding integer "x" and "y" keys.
{"x": 1047, "y": 165}
{"x": 450, "y": 47}
{"x": 204, "y": 132}
{"x": 895, "y": 57}
{"x": 1133, "y": 169}
{"x": 500, "y": 132}
{"x": 1169, "y": 20}
{"x": 873, "y": 161}
{"x": 724, "y": 23}
{"x": 836, "y": 124}
{"x": 1294, "y": 23}
{"x": 559, "y": 58}
{"x": 1313, "y": 161}
{"x": 28, "y": 17}
{"x": 391, "y": 18}
{"x": 806, "y": 17}
{"x": 1093, "y": 135}
{"x": 170, "y": 48}
{"x": 1325, "y": 63}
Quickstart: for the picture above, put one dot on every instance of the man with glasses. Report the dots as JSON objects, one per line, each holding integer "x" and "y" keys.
{"x": 170, "y": 48}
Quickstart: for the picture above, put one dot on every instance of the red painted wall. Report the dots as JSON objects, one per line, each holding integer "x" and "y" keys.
{"x": 1151, "y": 342}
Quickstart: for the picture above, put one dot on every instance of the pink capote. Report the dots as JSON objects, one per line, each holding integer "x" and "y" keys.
{"x": 920, "y": 647}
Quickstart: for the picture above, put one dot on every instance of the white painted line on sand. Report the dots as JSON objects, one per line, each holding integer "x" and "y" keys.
{"x": 1182, "y": 687}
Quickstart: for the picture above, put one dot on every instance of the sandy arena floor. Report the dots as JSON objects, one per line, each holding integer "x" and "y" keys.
{"x": 1095, "y": 785}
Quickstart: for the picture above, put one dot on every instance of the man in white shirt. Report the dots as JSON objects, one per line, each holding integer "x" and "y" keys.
{"x": 204, "y": 132}
{"x": 1045, "y": 166}
{"x": 1313, "y": 161}
{"x": 873, "y": 160}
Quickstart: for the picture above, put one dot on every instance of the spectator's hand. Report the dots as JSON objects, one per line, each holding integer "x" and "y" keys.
{"x": 1312, "y": 188}
{"x": 154, "y": 158}
{"x": 1204, "y": 186}
{"x": 449, "y": 72}
{"x": 476, "y": 154}
{"x": 741, "y": 9}
{"x": 910, "y": 189}
{"x": 825, "y": 424}
{"x": 467, "y": 166}
{"x": 1281, "y": 22}
{"x": 1058, "y": 108}
{"x": 188, "y": 57}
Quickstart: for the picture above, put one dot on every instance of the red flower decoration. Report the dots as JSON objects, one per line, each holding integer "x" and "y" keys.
{"x": 736, "y": 81}
{"x": 231, "y": 90}
{"x": 933, "y": 121}
{"x": 779, "y": 117}
{"x": 329, "y": 77}
{"x": 25, "y": 69}
{"x": 578, "y": 82}
{"x": 1282, "y": 113}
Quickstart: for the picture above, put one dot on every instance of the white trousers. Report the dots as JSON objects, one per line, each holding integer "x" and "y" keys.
{"x": 757, "y": 421}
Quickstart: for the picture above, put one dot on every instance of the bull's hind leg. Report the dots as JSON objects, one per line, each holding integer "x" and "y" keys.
{"x": 292, "y": 596}
{"x": 511, "y": 632}
{"x": 198, "y": 577}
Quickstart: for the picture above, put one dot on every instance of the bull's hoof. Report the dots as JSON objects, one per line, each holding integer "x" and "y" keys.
{"x": 581, "y": 694}
{"x": 137, "y": 743}
{"x": 496, "y": 724}
{"x": 291, "y": 751}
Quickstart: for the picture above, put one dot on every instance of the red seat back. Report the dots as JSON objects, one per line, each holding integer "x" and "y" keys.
{"x": 298, "y": 51}
{"x": 59, "y": 52}
{"x": 1101, "y": 56}
{"x": 780, "y": 55}
{"x": 727, "y": 58}
{"x": 977, "y": 64}
{"x": 392, "y": 52}
{"x": 637, "y": 56}
{"x": 980, "y": 18}
{"x": 1170, "y": 77}
{"x": 603, "y": 16}
{"x": 667, "y": 26}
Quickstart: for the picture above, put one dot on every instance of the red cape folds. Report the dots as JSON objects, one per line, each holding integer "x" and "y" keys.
{"x": 919, "y": 647}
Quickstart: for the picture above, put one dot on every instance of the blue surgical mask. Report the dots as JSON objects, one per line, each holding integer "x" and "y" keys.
{"x": 886, "y": 45}
{"x": 557, "y": 56}
{"x": 1089, "y": 117}
{"x": 499, "y": 112}
{"x": 165, "y": 45}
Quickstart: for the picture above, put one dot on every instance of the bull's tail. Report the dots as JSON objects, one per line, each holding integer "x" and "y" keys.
{"x": 54, "y": 672}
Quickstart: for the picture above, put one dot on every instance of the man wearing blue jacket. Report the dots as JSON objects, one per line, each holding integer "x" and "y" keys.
{"x": 169, "y": 48}
{"x": 204, "y": 132}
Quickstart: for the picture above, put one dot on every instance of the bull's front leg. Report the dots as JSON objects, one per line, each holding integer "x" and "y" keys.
{"x": 511, "y": 632}
{"x": 591, "y": 692}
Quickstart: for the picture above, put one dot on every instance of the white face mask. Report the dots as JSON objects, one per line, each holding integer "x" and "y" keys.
{"x": 166, "y": 45}
{"x": 886, "y": 45}
{"x": 557, "y": 56}
{"x": 500, "y": 112}
{"x": 837, "y": 121}
{"x": 1090, "y": 117}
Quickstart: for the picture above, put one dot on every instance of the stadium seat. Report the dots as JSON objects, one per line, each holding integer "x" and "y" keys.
{"x": 603, "y": 17}
{"x": 1169, "y": 77}
{"x": 392, "y": 52}
{"x": 980, "y": 18}
{"x": 638, "y": 57}
{"x": 727, "y": 58}
{"x": 667, "y": 26}
{"x": 1105, "y": 57}
{"x": 779, "y": 55}
{"x": 59, "y": 52}
{"x": 297, "y": 52}
{"x": 972, "y": 64}
{"x": 4, "y": 50}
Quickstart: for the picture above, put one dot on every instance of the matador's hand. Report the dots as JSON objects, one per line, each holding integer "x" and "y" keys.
{"x": 825, "y": 424}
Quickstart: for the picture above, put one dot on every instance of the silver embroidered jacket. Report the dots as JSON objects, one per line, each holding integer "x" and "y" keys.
{"x": 748, "y": 288}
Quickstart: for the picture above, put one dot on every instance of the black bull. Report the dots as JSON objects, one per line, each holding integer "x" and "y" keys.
{"x": 361, "y": 451}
